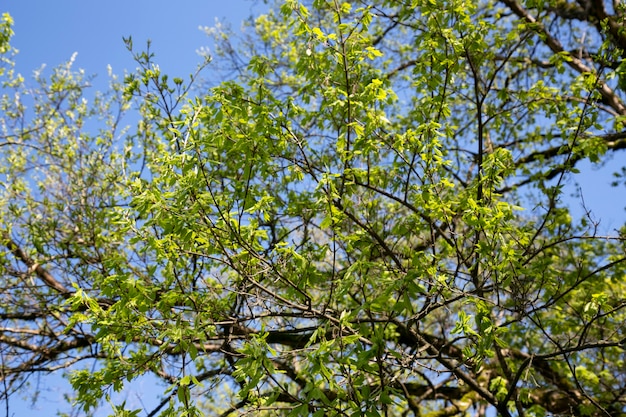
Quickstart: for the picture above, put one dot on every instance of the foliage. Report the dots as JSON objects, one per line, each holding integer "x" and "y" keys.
{"x": 367, "y": 219}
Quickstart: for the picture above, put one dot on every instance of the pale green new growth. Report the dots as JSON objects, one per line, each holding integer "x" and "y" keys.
{"x": 367, "y": 219}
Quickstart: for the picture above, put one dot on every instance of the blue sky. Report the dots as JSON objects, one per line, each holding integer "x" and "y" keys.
{"x": 49, "y": 32}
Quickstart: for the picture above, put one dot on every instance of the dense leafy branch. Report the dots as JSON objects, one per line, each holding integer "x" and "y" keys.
{"x": 367, "y": 219}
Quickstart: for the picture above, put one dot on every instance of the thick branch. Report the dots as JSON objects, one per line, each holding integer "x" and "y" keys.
{"x": 609, "y": 96}
{"x": 41, "y": 272}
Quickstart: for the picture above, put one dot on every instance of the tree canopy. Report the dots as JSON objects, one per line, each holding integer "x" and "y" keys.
{"x": 365, "y": 218}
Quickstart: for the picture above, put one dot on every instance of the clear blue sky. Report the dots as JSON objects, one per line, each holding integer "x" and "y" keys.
{"x": 49, "y": 32}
